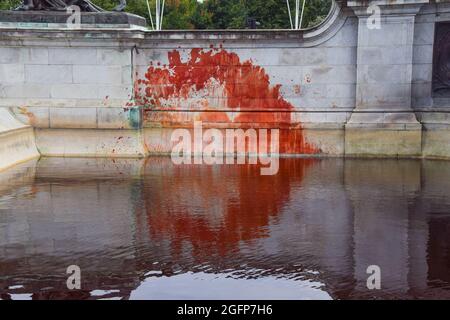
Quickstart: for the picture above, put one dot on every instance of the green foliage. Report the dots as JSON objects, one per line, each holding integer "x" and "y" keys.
{"x": 230, "y": 14}
{"x": 218, "y": 14}
{"x": 315, "y": 12}
{"x": 9, "y": 4}
{"x": 179, "y": 14}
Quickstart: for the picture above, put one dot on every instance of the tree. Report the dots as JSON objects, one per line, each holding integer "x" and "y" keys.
{"x": 230, "y": 14}
{"x": 178, "y": 14}
{"x": 315, "y": 12}
{"x": 9, "y": 4}
{"x": 271, "y": 14}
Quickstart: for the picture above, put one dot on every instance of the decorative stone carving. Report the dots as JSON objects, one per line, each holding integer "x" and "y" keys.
{"x": 61, "y": 5}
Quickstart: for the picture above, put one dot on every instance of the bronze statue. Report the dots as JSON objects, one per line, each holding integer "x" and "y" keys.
{"x": 61, "y": 5}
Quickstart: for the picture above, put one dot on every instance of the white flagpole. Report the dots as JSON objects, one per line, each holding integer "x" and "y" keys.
{"x": 301, "y": 17}
{"x": 297, "y": 8}
{"x": 290, "y": 15}
{"x": 157, "y": 14}
{"x": 162, "y": 15}
{"x": 150, "y": 14}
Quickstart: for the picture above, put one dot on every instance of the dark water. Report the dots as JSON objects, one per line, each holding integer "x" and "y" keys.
{"x": 150, "y": 229}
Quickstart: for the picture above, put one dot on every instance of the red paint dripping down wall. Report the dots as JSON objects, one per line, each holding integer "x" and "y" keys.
{"x": 217, "y": 88}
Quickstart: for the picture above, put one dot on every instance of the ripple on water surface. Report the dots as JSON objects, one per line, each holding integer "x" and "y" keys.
{"x": 148, "y": 229}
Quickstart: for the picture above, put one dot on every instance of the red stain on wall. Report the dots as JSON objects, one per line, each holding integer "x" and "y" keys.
{"x": 216, "y": 84}
{"x": 30, "y": 115}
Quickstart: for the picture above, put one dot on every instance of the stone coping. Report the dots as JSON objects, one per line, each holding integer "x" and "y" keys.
{"x": 61, "y": 18}
{"x": 16, "y": 141}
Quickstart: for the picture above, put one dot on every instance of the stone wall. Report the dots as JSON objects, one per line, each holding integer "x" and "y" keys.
{"x": 337, "y": 89}
{"x": 303, "y": 86}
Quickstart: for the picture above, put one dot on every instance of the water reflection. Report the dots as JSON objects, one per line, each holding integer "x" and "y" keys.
{"x": 149, "y": 229}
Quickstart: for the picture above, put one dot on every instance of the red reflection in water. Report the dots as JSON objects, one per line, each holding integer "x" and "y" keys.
{"x": 217, "y": 80}
{"x": 216, "y": 217}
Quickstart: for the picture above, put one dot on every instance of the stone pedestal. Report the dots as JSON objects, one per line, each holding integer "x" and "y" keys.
{"x": 61, "y": 19}
{"x": 383, "y": 122}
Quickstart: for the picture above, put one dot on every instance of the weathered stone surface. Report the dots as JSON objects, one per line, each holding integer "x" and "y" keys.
{"x": 331, "y": 140}
{"x": 104, "y": 75}
{"x": 16, "y": 141}
{"x": 71, "y": 56}
{"x": 436, "y": 141}
{"x": 90, "y": 143}
{"x": 49, "y": 74}
{"x": 373, "y": 142}
{"x": 12, "y": 73}
{"x": 87, "y": 18}
{"x": 37, "y": 117}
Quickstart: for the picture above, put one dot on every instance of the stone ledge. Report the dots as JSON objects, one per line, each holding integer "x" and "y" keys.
{"x": 436, "y": 126}
{"x": 55, "y": 19}
{"x": 20, "y": 175}
{"x": 16, "y": 141}
{"x": 385, "y": 126}
{"x": 104, "y": 143}
{"x": 17, "y": 146}
{"x": 383, "y": 120}
{"x": 378, "y": 142}
{"x": 329, "y": 142}
{"x": 435, "y": 141}
{"x": 80, "y": 117}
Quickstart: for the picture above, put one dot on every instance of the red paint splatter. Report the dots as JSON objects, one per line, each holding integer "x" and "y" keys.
{"x": 32, "y": 120}
{"x": 215, "y": 82}
{"x": 246, "y": 86}
{"x": 308, "y": 78}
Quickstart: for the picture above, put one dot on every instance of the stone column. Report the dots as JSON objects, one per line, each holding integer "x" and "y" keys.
{"x": 383, "y": 122}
